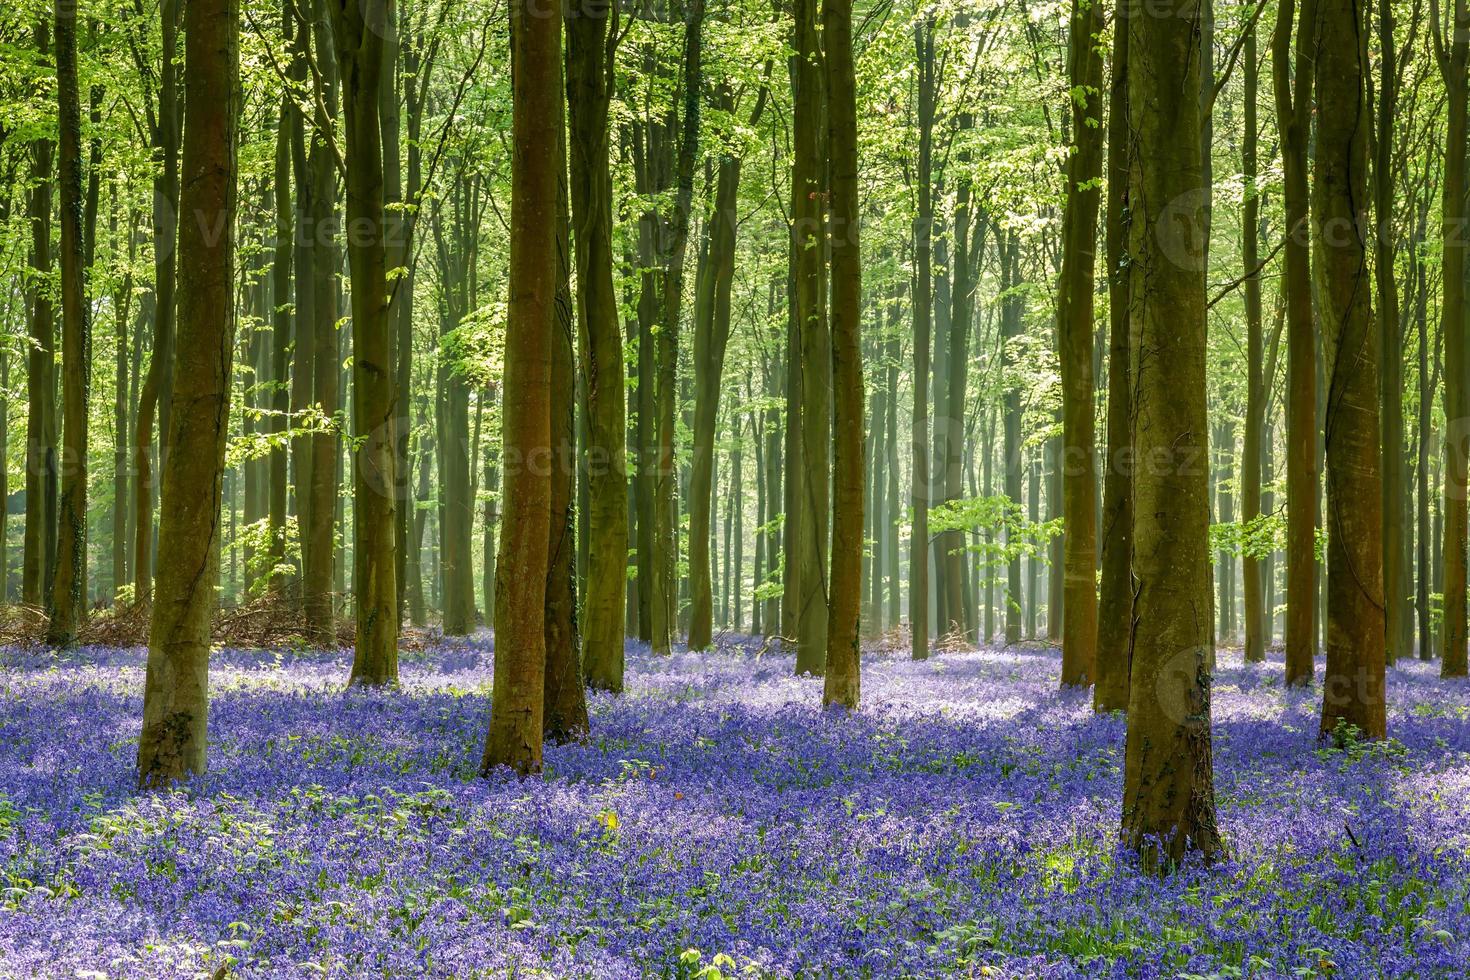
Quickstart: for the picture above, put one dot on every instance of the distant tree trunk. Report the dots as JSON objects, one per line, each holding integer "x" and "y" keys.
{"x": 318, "y": 355}
{"x": 591, "y": 42}
{"x": 1169, "y": 798}
{"x": 1256, "y": 394}
{"x": 961, "y": 312}
{"x": 392, "y": 93}
{"x": 876, "y": 503}
{"x": 360, "y": 60}
{"x": 69, "y": 582}
{"x": 156, "y": 396}
{"x": 121, "y": 309}
{"x": 416, "y": 76}
{"x": 564, "y": 698}
{"x": 1352, "y": 688}
{"x": 1115, "y": 603}
{"x": 666, "y": 475}
{"x": 516, "y": 715}
{"x": 923, "y": 286}
{"x": 842, "y": 684}
{"x": 1293, "y": 113}
{"x": 1225, "y": 502}
{"x": 40, "y": 517}
{"x": 895, "y": 501}
{"x": 1074, "y": 331}
{"x": 457, "y": 254}
{"x": 1033, "y": 562}
{"x": 176, "y": 689}
{"x": 1397, "y": 577}
{"x": 1426, "y": 443}
{"x": 282, "y": 344}
{"x": 735, "y": 565}
{"x": 417, "y": 611}
{"x": 711, "y": 333}
{"x": 1011, "y": 423}
{"x": 775, "y": 499}
{"x": 1452, "y": 50}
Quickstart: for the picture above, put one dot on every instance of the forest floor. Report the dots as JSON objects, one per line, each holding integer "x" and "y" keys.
{"x": 718, "y": 823}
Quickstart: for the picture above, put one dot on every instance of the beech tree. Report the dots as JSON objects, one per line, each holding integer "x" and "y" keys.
{"x": 592, "y": 36}
{"x": 176, "y": 688}
{"x": 68, "y": 593}
{"x": 1168, "y": 794}
{"x": 359, "y": 43}
{"x": 1074, "y": 333}
{"x": 1353, "y": 683}
{"x": 516, "y": 714}
{"x": 843, "y": 670}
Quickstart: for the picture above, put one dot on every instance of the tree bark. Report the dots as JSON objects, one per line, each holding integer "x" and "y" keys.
{"x": 1352, "y": 689}
{"x": 591, "y": 51}
{"x": 1115, "y": 603}
{"x": 843, "y": 680}
{"x": 923, "y": 286}
{"x": 663, "y": 603}
{"x": 1396, "y": 531}
{"x": 1293, "y": 114}
{"x": 1075, "y": 334}
{"x": 516, "y": 716}
{"x": 156, "y": 397}
{"x": 1256, "y": 393}
{"x": 711, "y": 334}
{"x": 1011, "y": 423}
{"x": 374, "y": 400}
{"x": 40, "y": 517}
{"x": 1452, "y": 52}
{"x": 69, "y": 582}
{"x": 318, "y": 358}
{"x": 282, "y": 344}
{"x": 1168, "y": 799}
{"x": 564, "y": 700}
{"x": 176, "y": 688}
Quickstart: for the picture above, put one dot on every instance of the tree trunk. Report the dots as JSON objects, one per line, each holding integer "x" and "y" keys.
{"x": 1074, "y": 331}
{"x": 319, "y": 360}
{"x": 176, "y": 689}
{"x": 1011, "y": 424}
{"x": 282, "y": 344}
{"x": 69, "y": 579}
{"x": 1397, "y": 579}
{"x": 711, "y": 333}
{"x": 1293, "y": 113}
{"x": 1168, "y": 799}
{"x": 1452, "y": 54}
{"x": 121, "y": 310}
{"x": 1424, "y": 611}
{"x": 1352, "y": 688}
{"x": 374, "y": 408}
{"x": 1115, "y": 604}
{"x": 40, "y": 518}
{"x": 923, "y": 286}
{"x": 516, "y": 716}
{"x": 156, "y": 397}
{"x": 591, "y": 43}
{"x": 842, "y": 684}
{"x": 664, "y": 603}
{"x": 1256, "y": 394}
{"x": 564, "y": 702}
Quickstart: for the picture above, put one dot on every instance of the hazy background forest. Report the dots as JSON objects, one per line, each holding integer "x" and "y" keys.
{"x": 451, "y": 451}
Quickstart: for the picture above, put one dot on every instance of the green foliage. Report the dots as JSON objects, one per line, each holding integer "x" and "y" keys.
{"x": 1004, "y": 531}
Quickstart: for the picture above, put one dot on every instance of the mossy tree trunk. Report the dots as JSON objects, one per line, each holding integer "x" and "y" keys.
{"x": 176, "y": 688}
